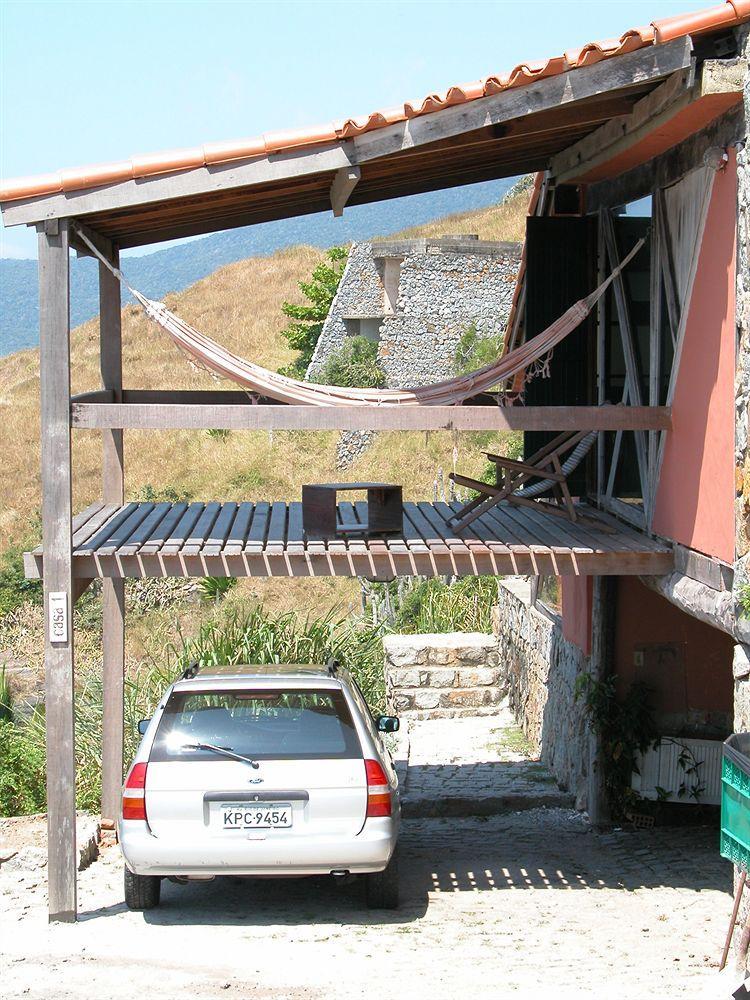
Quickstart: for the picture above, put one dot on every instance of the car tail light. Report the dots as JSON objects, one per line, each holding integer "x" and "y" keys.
{"x": 378, "y": 792}
{"x": 134, "y": 793}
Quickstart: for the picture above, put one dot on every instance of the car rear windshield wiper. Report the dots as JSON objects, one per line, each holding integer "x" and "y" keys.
{"x": 225, "y": 751}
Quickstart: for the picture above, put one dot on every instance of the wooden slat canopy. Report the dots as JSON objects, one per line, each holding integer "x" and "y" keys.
{"x": 262, "y": 538}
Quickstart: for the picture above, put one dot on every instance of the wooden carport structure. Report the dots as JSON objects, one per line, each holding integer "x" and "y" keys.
{"x": 607, "y": 94}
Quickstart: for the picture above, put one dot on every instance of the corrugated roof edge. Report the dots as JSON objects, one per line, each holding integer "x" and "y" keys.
{"x": 724, "y": 15}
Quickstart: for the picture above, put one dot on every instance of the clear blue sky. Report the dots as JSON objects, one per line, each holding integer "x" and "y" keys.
{"x": 83, "y": 82}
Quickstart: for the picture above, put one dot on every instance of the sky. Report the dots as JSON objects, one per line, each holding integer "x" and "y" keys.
{"x": 88, "y": 82}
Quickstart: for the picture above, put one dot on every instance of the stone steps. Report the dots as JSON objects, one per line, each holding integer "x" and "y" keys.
{"x": 461, "y": 678}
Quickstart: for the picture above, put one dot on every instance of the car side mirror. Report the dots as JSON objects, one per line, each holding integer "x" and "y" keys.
{"x": 388, "y": 724}
{"x": 143, "y": 726}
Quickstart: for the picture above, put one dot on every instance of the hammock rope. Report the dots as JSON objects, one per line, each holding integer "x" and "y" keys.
{"x": 532, "y": 357}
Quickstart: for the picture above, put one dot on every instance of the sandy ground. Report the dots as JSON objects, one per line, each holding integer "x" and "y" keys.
{"x": 527, "y": 904}
{"x": 530, "y": 904}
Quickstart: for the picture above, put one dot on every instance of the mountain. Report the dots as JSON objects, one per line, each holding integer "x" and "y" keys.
{"x": 175, "y": 268}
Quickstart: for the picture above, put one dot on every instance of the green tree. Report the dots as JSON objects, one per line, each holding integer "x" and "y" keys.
{"x": 307, "y": 320}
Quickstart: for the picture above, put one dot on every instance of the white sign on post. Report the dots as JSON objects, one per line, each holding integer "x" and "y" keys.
{"x": 58, "y": 617}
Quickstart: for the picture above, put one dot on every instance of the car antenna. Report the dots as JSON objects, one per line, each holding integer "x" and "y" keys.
{"x": 191, "y": 670}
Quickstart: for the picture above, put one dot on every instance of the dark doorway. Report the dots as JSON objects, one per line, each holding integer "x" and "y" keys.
{"x": 560, "y": 270}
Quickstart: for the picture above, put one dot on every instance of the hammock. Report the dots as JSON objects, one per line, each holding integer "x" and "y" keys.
{"x": 208, "y": 354}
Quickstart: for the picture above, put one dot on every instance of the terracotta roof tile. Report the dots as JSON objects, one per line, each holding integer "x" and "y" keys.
{"x": 723, "y": 15}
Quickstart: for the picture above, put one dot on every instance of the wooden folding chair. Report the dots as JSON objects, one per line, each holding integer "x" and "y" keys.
{"x": 514, "y": 480}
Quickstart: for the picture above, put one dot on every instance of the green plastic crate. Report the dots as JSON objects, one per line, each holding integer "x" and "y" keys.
{"x": 735, "y": 800}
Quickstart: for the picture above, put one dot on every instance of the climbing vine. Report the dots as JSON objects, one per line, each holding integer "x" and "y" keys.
{"x": 625, "y": 727}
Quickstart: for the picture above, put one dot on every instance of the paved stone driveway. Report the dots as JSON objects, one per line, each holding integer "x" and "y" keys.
{"x": 527, "y": 904}
{"x": 476, "y": 765}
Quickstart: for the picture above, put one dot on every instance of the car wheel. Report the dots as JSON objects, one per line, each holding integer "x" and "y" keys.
{"x": 142, "y": 892}
{"x": 381, "y": 888}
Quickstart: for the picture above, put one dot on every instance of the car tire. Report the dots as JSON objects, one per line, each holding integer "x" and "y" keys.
{"x": 382, "y": 888}
{"x": 142, "y": 892}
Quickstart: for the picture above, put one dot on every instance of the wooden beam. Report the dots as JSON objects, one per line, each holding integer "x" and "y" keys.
{"x": 601, "y": 340}
{"x": 620, "y": 133}
{"x": 113, "y": 591}
{"x": 628, "y": 346}
{"x": 245, "y": 416}
{"x": 102, "y": 243}
{"x": 344, "y": 182}
{"x": 659, "y": 255}
{"x": 355, "y": 558}
{"x": 54, "y": 351}
{"x": 645, "y": 65}
{"x": 667, "y": 168}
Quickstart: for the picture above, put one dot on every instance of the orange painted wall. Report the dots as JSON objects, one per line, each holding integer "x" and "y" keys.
{"x": 644, "y": 616}
{"x": 577, "y": 604}
{"x": 695, "y": 496}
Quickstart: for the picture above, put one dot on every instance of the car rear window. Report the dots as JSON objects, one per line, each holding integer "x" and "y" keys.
{"x": 261, "y": 724}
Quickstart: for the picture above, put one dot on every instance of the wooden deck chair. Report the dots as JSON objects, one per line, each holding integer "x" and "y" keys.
{"x": 514, "y": 480}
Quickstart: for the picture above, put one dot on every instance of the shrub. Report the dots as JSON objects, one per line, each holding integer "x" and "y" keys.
{"x": 474, "y": 351}
{"x": 6, "y": 698}
{"x": 745, "y": 601}
{"x": 625, "y": 727}
{"x": 22, "y": 743}
{"x": 213, "y": 588}
{"x": 22, "y": 771}
{"x": 260, "y": 637}
{"x": 14, "y": 587}
{"x": 462, "y": 606}
{"x": 302, "y": 334}
{"x": 247, "y": 479}
{"x": 167, "y": 494}
{"x": 253, "y": 637}
{"x": 354, "y": 364}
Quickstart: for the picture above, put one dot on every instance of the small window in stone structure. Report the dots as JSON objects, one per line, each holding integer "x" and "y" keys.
{"x": 549, "y": 594}
{"x": 364, "y": 326}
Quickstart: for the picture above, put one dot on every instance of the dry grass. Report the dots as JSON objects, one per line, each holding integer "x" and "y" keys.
{"x": 239, "y": 305}
{"x": 504, "y": 222}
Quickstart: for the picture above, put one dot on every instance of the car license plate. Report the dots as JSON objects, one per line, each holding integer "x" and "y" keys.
{"x": 255, "y": 815}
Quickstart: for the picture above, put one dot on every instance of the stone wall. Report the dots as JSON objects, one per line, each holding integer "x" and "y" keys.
{"x": 742, "y": 404}
{"x": 539, "y": 668}
{"x": 742, "y": 380}
{"x": 433, "y": 676}
{"x": 444, "y": 286}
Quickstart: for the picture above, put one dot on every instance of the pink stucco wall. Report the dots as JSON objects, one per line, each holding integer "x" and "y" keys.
{"x": 695, "y": 496}
{"x": 577, "y": 604}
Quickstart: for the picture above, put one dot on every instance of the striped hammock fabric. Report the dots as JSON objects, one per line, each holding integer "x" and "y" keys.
{"x": 208, "y": 354}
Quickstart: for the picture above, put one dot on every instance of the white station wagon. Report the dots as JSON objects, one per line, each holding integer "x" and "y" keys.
{"x": 261, "y": 771}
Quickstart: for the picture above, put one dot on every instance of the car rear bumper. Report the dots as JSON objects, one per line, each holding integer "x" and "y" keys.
{"x": 369, "y": 851}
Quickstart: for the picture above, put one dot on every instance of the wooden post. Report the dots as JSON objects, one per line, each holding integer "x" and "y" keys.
{"x": 602, "y": 618}
{"x": 113, "y": 591}
{"x": 54, "y": 356}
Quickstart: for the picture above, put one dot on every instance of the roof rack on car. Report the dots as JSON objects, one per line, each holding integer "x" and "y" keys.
{"x": 191, "y": 670}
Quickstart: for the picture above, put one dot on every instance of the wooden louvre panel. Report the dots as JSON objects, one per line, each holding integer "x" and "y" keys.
{"x": 560, "y": 269}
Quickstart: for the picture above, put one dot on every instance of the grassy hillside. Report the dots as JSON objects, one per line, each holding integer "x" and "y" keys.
{"x": 239, "y": 305}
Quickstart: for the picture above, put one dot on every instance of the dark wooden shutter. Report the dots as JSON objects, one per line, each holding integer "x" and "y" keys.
{"x": 560, "y": 269}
